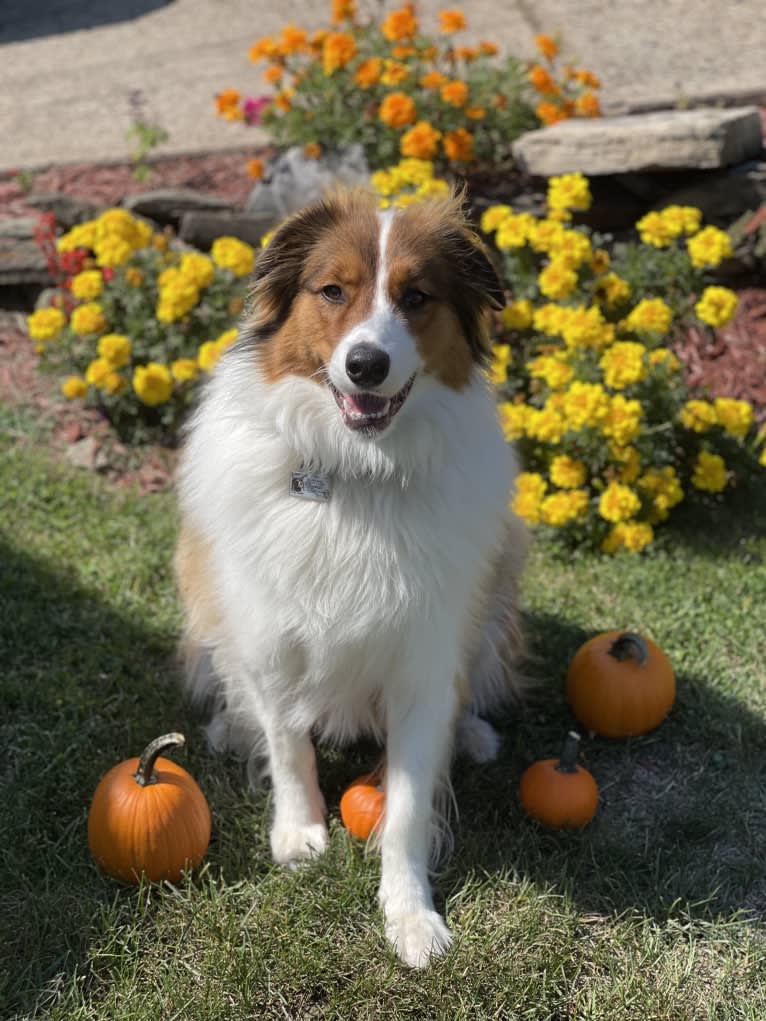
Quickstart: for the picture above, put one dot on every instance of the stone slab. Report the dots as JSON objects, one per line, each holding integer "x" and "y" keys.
{"x": 667, "y": 139}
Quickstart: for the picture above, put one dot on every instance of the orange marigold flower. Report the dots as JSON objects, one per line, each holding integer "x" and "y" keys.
{"x": 420, "y": 142}
{"x": 227, "y": 105}
{"x": 452, "y": 21}
{"x": 429, "y": 53}
{"x": 273, "y": 73}
{"x": 265, "y": 48}
{"x": 402, "y": 52}
{"x": 466, "y": 53}
{"x": 543, "y": 81}
{"x": 587, "y": 105}
{"x": 586, "y": 77}
{"x": 500, "y": 101}
{"x": 394, "y": 72}
{"x": 488, "y": 49}
{"x": 475, "y": 113}
{"x": 317, "y": 40}
{"x": 312, "y": 150}
{"x": 256, "y": 168}
{"x": 550, "y": 113}
{"x": 398, "y": 110}
{"x": 433, "y": 80}
{"x": 283, "y": 100}
{"x": 368, "y": 72}
{"x": 338, "y": 48}
{"x": 458, "y": 145}
{"x": 293, "y": 40}
{"x": 455, "y": 93}
{"x": 342, "y": 10}
{"x": 547, "y": 46}
{"x": 401, "y": 24}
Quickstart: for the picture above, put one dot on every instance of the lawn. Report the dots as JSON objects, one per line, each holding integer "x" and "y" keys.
{"x": 654, "y": 911}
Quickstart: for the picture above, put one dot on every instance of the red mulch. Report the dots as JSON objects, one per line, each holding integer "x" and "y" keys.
{"x": 733, "y": 364}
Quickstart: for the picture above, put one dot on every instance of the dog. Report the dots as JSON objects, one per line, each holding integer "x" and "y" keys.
{"x": 347, "y": 559}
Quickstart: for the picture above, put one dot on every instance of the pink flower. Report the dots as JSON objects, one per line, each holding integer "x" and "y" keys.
{"x": 253, "y": 107}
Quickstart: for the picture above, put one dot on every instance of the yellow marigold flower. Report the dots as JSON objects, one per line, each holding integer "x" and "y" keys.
{"x": 88, "y": 318}
{"x": 398, "y": 110}
{"x": 433, "y": 80}
{"x": 545, "y": 424}
{"x": 618, "y": 502}
{"x": 585, "y": 404}
{"x": 709, "y": 248}
{"x": 623, "y": 364}
{"x": 513, "y": 230}
{"x": 498, "y": 367}
{"x": 630, "y": 535}
{"x": 153, "y": 383}
{"x": 338, "y": 48}
{"x": 557, "y": 280}
{"x": 698, "y": 416}
{"x": 368, "y": 73}
{"x": 114, "y": 383}
{"x": 709, "y": 472}
{"x": 544, "y": 235}
{"x": 622, "y": 422}
{"x": 74, "y": 387}
{"x": 115, "y": 348}
{"x": 664, "y": 356}
{"x": 547, "y": 46}
{"x": 394, "y": 72}
{"x": 550, "y": 319}
{"x": 586, "y": 327}
{"x": 512, "y": 419}
{"x": 414, "y": 171}
{"x": 458, "y": 145}
{"x": 664, "y": 488}
{"x": 452, "y": 21}
{"x": 208, "y": 355}
{"x": 97, "y": 372}
{"x": 87, "y": 285}
{"x": 567, "y": 472}
{"x": 681, "y": 220}
{"x": 112, "y": 251}
{"x": 198, "y": 268}
{"x": 651, "y": 315}
{"x": 717, "y": 306}
{"x": 232, "y": 254}
{"x": 118, "y": 223}
{"x": 178, "y": 294}
{"x": 400, "y": 24}
{"x": 629, "y": 461}
{"x": 569, "y": 191}
{"x": 227, "y": 338}
{"x": 421, "y": 141}
{"x": 455, "y": 93}
{"x": 612, "y": 289}
{"x": 518, "y": 315}
{"x": 600, "y": 261}
{"x": 83, "y": 235}
{"x": 736, "y": 417}
{"x": 434, "y": 187}
{"x": 653, "y": 229}
{"x": 559, "y": 509}
{"x": 133, "y": 276}
{"x": 184, "y": 370}
{"x": 529, "y": 493}
{"x": 571, "y": 247}
{"x": 556, "y": 372}
{"x": 45, "y": 323}
{"x": 383, "y": 182}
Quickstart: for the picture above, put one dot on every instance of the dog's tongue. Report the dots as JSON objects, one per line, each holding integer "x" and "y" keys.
{"x": 365, "y": 404}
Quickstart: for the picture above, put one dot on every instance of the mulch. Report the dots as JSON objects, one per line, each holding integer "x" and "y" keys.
{"x": 730, "y": 362}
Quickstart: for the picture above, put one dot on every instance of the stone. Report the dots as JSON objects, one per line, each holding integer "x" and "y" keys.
{"x": 68, "y": 211}
{"x": 688, "y": 139}
{"x": 293, "y": 180}
{"x": 168, "y": 205}
{"x": 200, "y": 229}
{"x": 22, "y": 263}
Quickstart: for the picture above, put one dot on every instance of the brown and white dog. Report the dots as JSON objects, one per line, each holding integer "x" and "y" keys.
{"x": 347, "y": 559}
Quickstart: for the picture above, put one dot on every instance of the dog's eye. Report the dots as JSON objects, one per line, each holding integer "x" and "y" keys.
{"x": 413, "y": 298}
{"x": 333, "y": 293}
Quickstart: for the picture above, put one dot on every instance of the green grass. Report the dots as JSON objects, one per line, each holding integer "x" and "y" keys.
{"x": 654, "y": 911}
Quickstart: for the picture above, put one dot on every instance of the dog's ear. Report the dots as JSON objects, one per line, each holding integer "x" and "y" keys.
{"x": 277, "y": 275}
{"x": 477, "y": 288}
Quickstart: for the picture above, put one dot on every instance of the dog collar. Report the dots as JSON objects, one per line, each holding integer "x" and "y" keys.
{"x": 310, "y": 485}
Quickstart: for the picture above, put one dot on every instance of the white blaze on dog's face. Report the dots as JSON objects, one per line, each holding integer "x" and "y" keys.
{"x": 365, "y": 302}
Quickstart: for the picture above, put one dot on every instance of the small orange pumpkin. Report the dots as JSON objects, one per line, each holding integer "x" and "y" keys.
{"x": 362, "y": 804}
{"x": 149, "y": 816}
{"x": 558, "y": 792}
{"x": 620, "y": 684}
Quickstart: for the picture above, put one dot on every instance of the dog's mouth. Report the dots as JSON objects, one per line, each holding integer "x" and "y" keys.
{"x": 368, "y": 412}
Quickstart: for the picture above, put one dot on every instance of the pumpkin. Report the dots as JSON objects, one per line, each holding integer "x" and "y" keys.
{"x": 620, "y": 684}
{"x": 558, "y": 792}
{"x": 362, "y": 804}
{"x": 149, "y": 816}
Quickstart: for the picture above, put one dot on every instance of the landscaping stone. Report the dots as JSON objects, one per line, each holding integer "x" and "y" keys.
{"x": 21, "y": 263}
{"x": 168, "y": 205}
{"x": 68, "y": 210}
{"x": 202, "y": 228}
{"x": 293, "y": 180}
{"x": 688, "y": 139}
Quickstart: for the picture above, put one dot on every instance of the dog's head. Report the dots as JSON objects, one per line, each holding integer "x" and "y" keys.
{"x": 367, "y": 302}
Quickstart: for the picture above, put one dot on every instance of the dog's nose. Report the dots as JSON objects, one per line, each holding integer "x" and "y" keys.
{"x": 367, "y": 365}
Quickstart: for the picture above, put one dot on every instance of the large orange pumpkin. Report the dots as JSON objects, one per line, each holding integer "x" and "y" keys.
{"x": 149, "y": 816}
{"x": 558, "y": 792}
{"x": 620, "y": 684}
{"x": 362, "y": 804}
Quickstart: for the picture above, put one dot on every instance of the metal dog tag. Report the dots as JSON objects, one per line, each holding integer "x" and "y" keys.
{"x": 310, "y": 486}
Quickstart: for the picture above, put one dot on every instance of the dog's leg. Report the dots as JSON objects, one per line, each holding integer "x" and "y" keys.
{"x": 298, "y": 830}
{"x": 419, "y": 733}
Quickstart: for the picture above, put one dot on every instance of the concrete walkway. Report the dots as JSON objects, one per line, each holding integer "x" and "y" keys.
{"x": 68, "y": 67}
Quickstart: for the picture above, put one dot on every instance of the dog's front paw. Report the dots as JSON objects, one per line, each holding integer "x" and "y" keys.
{"x": 293, "y": 844}
{"x": 417, "y": 936}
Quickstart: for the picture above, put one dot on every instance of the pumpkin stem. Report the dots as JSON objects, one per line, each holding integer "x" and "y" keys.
{"x": 568, "y": 759}
{"x": 630, "y": 645}
{"x": 145, "y": 774}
